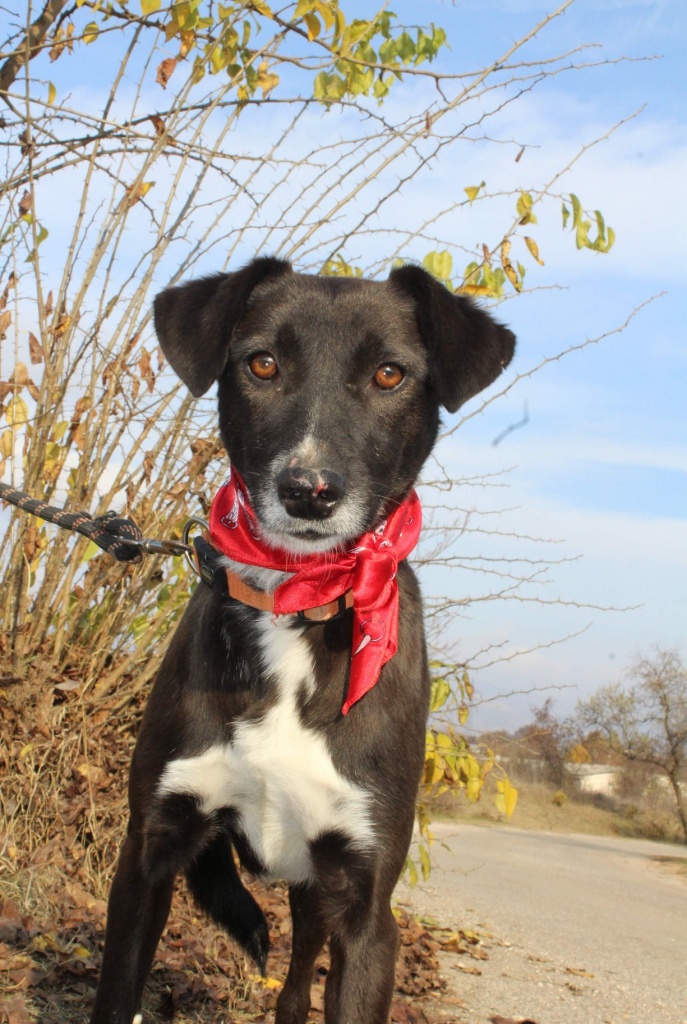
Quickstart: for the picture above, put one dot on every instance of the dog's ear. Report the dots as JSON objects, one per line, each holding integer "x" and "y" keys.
{"x": 194, "y": 321}
{"x": 467, "y": 348}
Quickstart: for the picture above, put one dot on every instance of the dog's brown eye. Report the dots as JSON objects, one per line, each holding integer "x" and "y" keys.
{"x": 263, "y": 366}
{"x": 388, "y": 376}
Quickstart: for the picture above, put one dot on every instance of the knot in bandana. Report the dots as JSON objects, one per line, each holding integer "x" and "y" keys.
{"x": 367, "y": 567}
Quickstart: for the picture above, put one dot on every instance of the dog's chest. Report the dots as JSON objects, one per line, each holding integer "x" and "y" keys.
{"x": 276, "y": 772}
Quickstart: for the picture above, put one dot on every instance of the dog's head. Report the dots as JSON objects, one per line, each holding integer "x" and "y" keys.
{"x": 329, "y": 388}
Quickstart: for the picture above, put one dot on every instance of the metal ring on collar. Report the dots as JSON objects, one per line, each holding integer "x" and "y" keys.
{"x": 186, "y": 535}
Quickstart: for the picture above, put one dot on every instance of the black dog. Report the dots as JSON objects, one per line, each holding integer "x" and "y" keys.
{"x": 329, "y": 397}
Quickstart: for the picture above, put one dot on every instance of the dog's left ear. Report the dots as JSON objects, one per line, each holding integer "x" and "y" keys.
{"x": 467, "y": 348}
{"x": 194, "y": 321}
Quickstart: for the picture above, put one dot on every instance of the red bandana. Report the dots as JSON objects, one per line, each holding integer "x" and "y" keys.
{"x": 368, "y": 567}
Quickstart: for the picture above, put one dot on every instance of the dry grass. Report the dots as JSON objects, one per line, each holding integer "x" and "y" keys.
{"x": 540, "y": 808}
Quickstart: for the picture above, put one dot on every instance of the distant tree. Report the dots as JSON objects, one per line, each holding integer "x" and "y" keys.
{"x": 647, "y": 721}
{"x": 550, "y": 740}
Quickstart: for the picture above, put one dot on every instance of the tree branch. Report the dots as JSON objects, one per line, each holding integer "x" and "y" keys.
{"x": 30, "y": 45}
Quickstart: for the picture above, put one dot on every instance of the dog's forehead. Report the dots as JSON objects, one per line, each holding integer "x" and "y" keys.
{"x": 333, "y": 305}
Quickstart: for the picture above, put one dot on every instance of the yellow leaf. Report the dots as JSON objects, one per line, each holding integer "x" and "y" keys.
{"x": 81, "y": 952}
{"x": 463, "y": 713}
{"x": 507, "y": 797}
{"x": 473, "y": 788}
{"x": 266, "y": 81}
{"x": 25, "y": 750}
{"x": 90, "y": 33}
{"x": 444, "y": 741}
{"x": 17, "y": 412}
{"x": 52, "y": 93}
{"x": 6, "y": 444}
{"x": 59, "y": 430}
{"x": 475, "y": 289}
{"x": 425, "y": 863}
{"x": 534, "y": 250}
{"x": 331, "y": 14}
{"x": 313, "y": 25}
{"x": 91, "y": 550}
{"x": 150, "y": 6}
{"x": 411, "y": 871}
{"x": 265, "y": 982}
{"x": 472, "y": 191}
{"x": 261, "y": 7}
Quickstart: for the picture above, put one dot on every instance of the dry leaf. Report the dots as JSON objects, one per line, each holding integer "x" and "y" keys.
{"x": 62, "y": 325}
{"x": 145, "y": 369}
{"x": 5, "y": 321}
{"x": 579, "y": 972}
{"x": 35, "y": 349}
{"x": 158, "y": 124}
{"x": 21, "y": 375}
{"x": 14, "y": 1010}
{"x": 165, "y": 71}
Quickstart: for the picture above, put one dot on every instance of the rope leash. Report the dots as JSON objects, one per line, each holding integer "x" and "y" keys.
{"x": 119, "y": 537}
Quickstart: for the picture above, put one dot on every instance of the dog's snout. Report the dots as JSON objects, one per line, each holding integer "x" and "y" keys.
{"x": 309, "y": 493}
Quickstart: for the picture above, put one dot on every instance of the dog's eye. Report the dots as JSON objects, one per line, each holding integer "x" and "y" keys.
{"x": 263, "y": 366}
{"x": 388, "y": 376}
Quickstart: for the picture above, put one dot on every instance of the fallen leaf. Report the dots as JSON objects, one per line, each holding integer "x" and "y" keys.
{"x": 579, "y": 972}
{"x": 14, "y": 1010}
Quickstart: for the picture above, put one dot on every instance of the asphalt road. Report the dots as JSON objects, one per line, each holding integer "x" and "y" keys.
{"x": 578, "y": 929}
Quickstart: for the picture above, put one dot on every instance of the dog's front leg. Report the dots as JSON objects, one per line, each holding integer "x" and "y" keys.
{"x": 137, "y": 911}
{"x": 360, "y": 982}
{"x": 309, "y": 935}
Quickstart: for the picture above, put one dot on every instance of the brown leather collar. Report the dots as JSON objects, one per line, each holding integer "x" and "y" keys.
{"x": 241, "y": 591}
{"x": 229, "y": 583}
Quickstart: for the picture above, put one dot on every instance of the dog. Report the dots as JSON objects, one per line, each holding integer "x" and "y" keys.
{"x": 263, "y": 739}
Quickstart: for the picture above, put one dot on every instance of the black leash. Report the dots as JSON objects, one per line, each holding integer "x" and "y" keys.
{"x": 120, "y": 537}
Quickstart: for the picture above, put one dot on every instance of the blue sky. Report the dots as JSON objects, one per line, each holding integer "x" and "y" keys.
{"x": 602, "y": 463}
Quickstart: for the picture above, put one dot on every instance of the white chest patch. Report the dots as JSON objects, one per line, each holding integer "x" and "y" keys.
{"x": 277, "y": 773}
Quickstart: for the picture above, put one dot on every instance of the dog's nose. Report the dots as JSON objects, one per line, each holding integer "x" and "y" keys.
{"x": 310, "y": 493}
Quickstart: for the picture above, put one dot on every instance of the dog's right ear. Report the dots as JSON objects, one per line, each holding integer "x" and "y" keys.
{"x": 194, "y": 321}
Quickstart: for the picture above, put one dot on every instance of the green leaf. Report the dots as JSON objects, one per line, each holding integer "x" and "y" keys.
{"x": 439, "y": 264}
{"x": 566, "y": 214}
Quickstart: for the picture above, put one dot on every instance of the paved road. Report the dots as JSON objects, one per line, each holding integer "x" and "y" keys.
{"x": 581, "y": 929}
